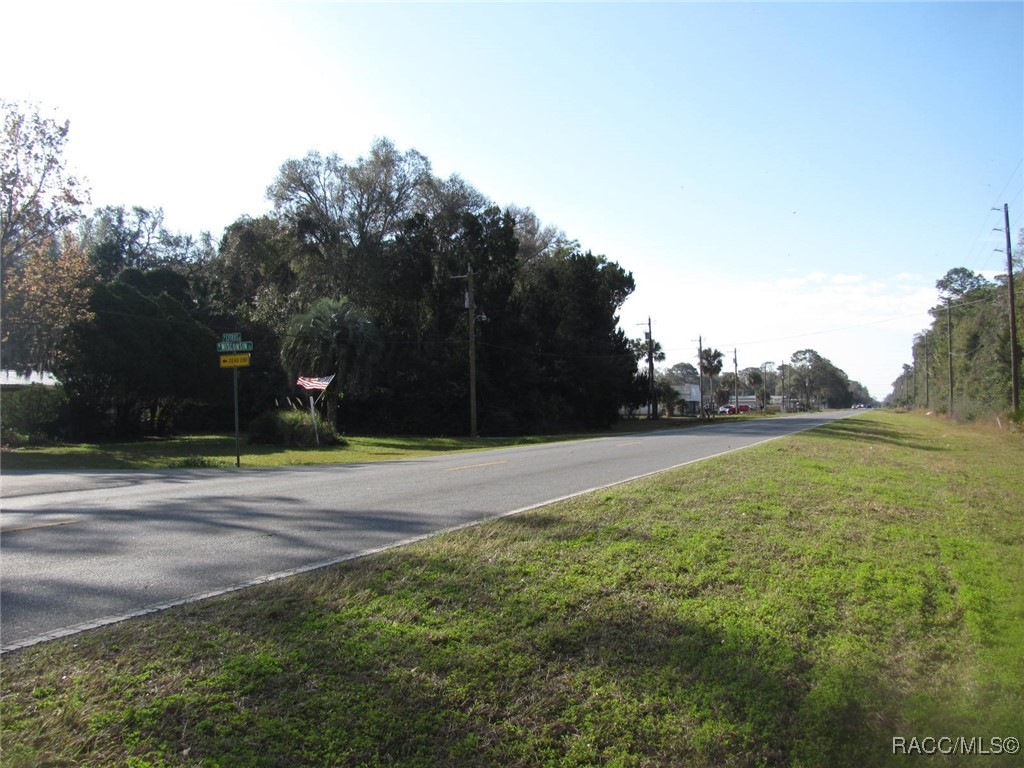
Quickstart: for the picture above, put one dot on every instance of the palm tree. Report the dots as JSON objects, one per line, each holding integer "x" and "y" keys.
{"x": 755, "y": 380}
{"x": 710, "y": 364}
{"x": 332, "y": 337}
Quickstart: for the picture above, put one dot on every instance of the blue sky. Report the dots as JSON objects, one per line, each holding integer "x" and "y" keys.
{"x": 776, "y": 176}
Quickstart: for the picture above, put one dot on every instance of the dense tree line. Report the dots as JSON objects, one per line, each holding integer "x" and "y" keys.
{"x": 962, "y": 361}
{"x": 361, "y": 270}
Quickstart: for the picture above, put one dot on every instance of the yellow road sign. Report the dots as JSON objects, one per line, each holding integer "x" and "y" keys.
{"x": 234, "y": 361}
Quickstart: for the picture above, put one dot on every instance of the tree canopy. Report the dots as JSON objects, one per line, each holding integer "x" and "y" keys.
{"x": 38, "y": 197}
{"x": 361, "y": 269}
{"x": 969, "y": 337}
{"x": 139, "y": 353}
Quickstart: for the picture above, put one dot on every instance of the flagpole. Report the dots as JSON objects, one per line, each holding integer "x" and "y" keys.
{"x": 312, "y": 415}
{"x": 315, "y": 383}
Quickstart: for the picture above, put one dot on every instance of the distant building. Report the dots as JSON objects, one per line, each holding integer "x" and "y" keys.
{"x": 15, "y": 380}
{"x": 689, "y": 399}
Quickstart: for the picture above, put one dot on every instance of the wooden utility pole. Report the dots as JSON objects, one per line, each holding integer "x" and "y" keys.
{"x": 472, "y": 352}
{"x": 1014, "y": 347}
{"x": 736, "y": 376}
{"x": 927, "y": 374}
{"x": 949, "y": 351}
{"x": 914, "y": 403}
{"x": 700, "y": 371}
{"x": 782, "y": 368}
{"x": 652, "y": 400}
{"x": 471, "y": 307}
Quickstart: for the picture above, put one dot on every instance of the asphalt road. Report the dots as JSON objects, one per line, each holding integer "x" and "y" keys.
{"x": 84, "y": 549}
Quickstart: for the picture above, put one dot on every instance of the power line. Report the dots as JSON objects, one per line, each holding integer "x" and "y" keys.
{"x": 1012, "y": 174}
{"x": 971, "y": 259}
{"x": 960, "y": 303}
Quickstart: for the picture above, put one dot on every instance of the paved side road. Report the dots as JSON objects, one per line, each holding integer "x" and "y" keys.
{"x": 83, "y": 549}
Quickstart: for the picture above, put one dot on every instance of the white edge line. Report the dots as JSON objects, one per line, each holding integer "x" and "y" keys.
{"x": 74, "y": 629}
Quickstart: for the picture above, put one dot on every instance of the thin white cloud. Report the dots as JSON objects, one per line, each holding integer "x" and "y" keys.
{"x": 842, "y": 316}
{"x": 846, "y": 279}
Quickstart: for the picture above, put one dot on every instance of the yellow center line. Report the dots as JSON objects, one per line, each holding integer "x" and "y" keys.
{"x": 634, "y": 442}
{"x": 474, "y": 466}
{"x": 38, "y": 525}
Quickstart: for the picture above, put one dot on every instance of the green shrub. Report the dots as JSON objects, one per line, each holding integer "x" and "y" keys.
{"x": 197, "y": 462}
{"x": 291, "y": 429}
{"x": 31, "y": 414}
{"x": 1017, "y": 417}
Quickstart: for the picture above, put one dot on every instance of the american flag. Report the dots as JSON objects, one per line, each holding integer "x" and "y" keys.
{"x": 314, "y": 383}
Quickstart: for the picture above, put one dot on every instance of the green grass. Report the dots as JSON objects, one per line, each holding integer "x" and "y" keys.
{"x": 219, "y": 450}
{"x": 800, "y": 603}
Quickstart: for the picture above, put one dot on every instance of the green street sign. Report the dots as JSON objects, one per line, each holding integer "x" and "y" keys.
{"x": 232, "y": 337}
{"x": 234, "y": 346}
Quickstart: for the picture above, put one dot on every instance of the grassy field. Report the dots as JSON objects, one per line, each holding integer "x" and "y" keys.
{"x": 801, "y": 603}
{"x": 219, "y": 450}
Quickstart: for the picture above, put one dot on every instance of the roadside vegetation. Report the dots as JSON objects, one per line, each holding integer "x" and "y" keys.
{"x": 218, "y": 451}
{"x": 966, "y": 347}
{"x": 367, "y": 276}
{"x": 801, "y": 603}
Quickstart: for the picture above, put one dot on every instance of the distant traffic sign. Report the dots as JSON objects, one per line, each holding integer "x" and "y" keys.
{"x": 234, "y": 361}
{"x": 231, "y": 337}
{"x": 234, "y": 346}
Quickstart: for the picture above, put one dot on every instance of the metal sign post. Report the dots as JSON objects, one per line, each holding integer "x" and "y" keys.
{"x": 233, "y": 343}
{"x": 238, "y": 451}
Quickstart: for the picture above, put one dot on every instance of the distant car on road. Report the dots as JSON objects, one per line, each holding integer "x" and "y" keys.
{"x": 728, "y": 409}
{"x": 744, "y": 409}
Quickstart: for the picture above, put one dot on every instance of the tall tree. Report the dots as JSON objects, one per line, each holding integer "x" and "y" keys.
{"x": 754, "y": 380}
{"x": 38, "y": 197}
{"x": 140, "y": 352}
{"x": 682, "y": 373}
{"x": 958, "y": 282}
{"x": 711, "y": 362}
{"x": 668, "y": 396}
{"x": 818, "y": 380}
{"x": 726, "y": 389}
{"x": 120, "y": 238}
{"x": 385, "y": 188}
{"x": 259, "y": 274}
{"x": 345, "y": 213}
{"x": 585, "y": 366}
{"x": 535, "y": 239}
{"x": 311, "y": 196}
{"x": 969, "y": 338}
{"x": 45, "y": 296}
